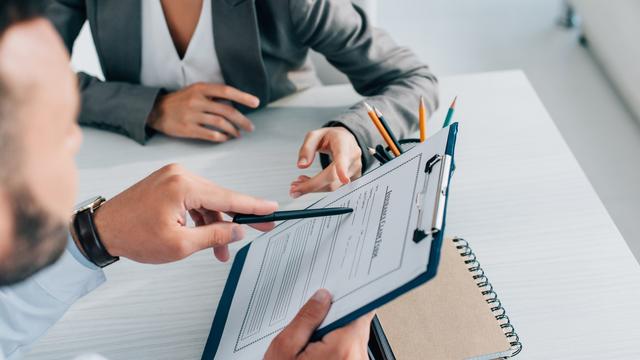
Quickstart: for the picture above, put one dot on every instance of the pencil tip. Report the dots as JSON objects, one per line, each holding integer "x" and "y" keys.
{"x": 453, "y": 104}
{"x": 369, "y": 108}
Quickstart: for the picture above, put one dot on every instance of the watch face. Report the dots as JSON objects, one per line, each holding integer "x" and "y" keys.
{"x": 88, "y": 204}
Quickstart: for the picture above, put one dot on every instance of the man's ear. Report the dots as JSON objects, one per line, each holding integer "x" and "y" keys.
{"x": 6, "y": 222}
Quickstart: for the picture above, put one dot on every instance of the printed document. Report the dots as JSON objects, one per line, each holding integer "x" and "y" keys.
{"x": 358, "y": 257}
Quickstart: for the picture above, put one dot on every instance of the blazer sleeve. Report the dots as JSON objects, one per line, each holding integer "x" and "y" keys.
{"x": 390, "y": 76}
{"x": 116, "y": 106}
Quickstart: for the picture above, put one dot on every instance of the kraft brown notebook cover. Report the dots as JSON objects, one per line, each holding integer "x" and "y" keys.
{"x": 456, "y": 315}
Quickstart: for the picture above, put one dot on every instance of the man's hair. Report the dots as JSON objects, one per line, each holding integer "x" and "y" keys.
{"x": 12, "y": 12}
{"x": 38, "y": 241}
{"x": 16, "y": 11}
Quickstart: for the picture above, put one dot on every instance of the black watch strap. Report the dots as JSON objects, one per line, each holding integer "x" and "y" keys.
{"x": 90, "y": 241}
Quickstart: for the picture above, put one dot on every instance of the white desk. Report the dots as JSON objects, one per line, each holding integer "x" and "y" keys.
{"x": 562, "y": 270}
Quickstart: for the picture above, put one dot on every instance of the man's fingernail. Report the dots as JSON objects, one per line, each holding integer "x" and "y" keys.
{"x": 252, "y": 127}
{"x": 256, "y": 102}
{"x": 295, "y": 194}
{"x": 237, "y": 233}
{"x": 273, "y": 203}
{"x": 322, "y": 296}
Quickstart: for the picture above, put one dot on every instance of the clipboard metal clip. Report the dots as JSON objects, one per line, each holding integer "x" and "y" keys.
{"x": 443, "y": 166}
{"x": 428, "y": 167}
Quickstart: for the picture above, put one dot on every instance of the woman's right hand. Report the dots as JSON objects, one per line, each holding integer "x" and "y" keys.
{"x": 201, "y": 111}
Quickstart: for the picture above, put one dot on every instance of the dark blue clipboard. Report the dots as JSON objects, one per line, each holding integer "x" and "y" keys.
{"x": 222, "y": 312}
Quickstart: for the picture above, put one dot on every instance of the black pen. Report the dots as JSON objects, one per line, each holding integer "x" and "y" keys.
{"x": 382, "y": 152}
{"x": 378, "y": 157}
{"x": 290, "y": 215}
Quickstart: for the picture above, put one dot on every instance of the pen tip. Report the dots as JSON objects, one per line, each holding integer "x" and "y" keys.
{"x": 377, "y": 111}
{"x": 371, "y": 151}
{"x": 453, "y": 104}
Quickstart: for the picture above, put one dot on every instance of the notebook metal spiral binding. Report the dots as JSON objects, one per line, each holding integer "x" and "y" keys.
{"x": 483, "y": 283}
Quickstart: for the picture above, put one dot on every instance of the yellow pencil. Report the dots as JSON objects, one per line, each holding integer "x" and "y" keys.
{"x": 383, "y": 132}
{"x": 422, "y": 111}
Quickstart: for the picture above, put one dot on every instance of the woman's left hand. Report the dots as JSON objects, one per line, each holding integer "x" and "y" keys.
{"x": 346, "y": 165}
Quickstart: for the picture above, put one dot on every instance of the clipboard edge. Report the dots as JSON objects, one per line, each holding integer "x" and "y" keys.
{"x": 224, "y": 305}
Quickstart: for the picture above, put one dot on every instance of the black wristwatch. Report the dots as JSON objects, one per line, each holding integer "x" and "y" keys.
{"x": 87, "y": 234}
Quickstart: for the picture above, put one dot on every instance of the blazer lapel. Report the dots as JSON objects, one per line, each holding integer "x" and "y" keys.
{"x": 119, "y": 37}
{"x": 237, "y": 42}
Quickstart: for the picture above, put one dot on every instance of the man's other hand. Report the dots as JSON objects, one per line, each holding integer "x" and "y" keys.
{"x": 349, "y": 342}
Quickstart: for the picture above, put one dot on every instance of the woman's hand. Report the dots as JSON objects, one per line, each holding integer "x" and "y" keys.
{"x": 346, "y": 165}
{"x": 200, "y": 111}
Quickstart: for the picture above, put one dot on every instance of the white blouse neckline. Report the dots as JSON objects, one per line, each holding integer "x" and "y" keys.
{"x": 161, "y": 63}
{"x": 166, "y": 34}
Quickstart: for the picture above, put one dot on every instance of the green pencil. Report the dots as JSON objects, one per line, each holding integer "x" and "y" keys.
{"x": 452, "y": 108}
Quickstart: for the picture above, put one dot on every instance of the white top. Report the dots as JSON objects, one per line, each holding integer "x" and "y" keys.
{"x": 161, "y": 64}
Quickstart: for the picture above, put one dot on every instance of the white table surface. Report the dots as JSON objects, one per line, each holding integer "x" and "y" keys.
{"x": 560, "y": 266}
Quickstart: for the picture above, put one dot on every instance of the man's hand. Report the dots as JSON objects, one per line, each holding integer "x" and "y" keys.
{"x": 349, "y": 342}
{"x": 343, "y": 148}
{"x": 198, "y": 112}
{"x": 147, "y": 222}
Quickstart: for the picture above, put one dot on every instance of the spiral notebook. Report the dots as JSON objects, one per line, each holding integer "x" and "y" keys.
{"x": 457, "y": 315}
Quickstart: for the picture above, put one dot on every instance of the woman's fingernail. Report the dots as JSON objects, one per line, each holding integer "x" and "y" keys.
{"x": 295, "y": 194}
{"x": 322, "y": 296}
{"x": 302, "y": 161}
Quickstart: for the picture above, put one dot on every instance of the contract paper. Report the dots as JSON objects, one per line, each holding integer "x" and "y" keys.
{"x": 358, "y": 257}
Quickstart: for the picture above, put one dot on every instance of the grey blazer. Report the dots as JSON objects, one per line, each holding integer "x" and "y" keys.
{"x": 262, "y": 47}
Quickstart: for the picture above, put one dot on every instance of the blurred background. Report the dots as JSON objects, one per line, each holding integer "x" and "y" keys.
{"x": 582, "y": 57}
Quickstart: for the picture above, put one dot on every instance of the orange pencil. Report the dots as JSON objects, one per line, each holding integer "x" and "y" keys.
{"x": 422, "y": 111}
{"x": 382, "y": 131}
